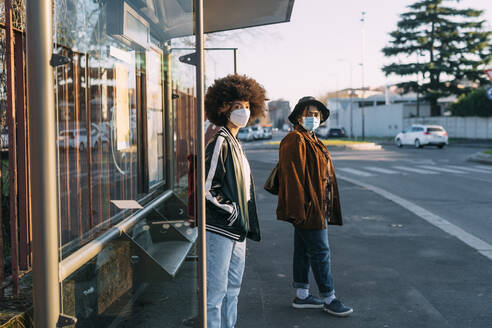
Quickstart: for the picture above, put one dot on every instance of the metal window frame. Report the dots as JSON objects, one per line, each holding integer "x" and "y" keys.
{"x": 200, "y": 178}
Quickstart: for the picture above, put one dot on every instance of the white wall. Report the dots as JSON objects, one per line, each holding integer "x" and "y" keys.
{"x": 410, "y": 110}
{"x": 380, "y": 121}
{"x": 388, "y": 120}
{"x": 384, "y": 121}
{"x": 458, "y": 127}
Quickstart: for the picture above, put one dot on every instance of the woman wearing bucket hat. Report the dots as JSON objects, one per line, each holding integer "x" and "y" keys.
{"x": 308, "y": 198}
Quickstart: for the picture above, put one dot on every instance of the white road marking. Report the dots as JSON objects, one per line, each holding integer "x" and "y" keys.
{"x": 442, "y": 169}
{"x": 484, "y": 167}
{"x": 476, "y": 243}
{"x": 467, "y": 168}
{"x": 414, "y": 170}
{"x": 380, "y": 170}
{"x": 356, "y": 172}
{"x": 420, "y": 161}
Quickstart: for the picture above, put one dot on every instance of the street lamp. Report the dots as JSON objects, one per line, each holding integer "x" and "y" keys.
{"x": 350, "y": 95}
{"x": 363, "y": 34}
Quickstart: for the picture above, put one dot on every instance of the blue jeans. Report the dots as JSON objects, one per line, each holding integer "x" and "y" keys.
{"x": 225, "y": 267}
{"x": 312, "y": 251}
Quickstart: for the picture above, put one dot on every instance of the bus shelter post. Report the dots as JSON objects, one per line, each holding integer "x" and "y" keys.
{"x": 43, "y": 174}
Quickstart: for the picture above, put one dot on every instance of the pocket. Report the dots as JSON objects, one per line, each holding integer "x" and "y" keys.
{"x": 233, "y": 217}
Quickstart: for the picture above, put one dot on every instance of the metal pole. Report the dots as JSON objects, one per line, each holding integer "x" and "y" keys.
{"x": 13, "y": 146}
{"x": 168, "y": 117}
{"x": 200, "y": 165}
{"x": 43, "y": 174}
{"x": 363, "y": 19}
{"x": 338, "y": 101}
{"x": 235, "y": 60}
{"x": 350, "y": 96}
{"x": 418, "y": 87}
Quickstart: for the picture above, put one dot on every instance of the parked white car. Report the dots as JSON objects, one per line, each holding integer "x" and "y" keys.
{"x": 257, "y": 132}
{"x": 326, "y": 132}
{"x": 77, "y": 139}
{"x": 422, "y": 135}
{"x": 267, "y": 132}
{"x": 246, "y": 134}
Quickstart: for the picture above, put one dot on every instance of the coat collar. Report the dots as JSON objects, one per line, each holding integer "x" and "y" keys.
{"x": 308, "y": 135}
{"x": 313, "y": 139}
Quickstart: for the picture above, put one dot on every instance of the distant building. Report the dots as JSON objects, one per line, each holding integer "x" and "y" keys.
{"x": 279, "y": 111}
{"x": 385, "y": 109}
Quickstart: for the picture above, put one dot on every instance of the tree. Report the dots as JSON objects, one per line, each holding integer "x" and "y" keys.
{"x": 475, "y": 103}
{"x": 449, "y": 47}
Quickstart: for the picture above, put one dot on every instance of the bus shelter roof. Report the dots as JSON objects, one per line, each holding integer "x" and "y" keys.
{"x": 174, "y": 18}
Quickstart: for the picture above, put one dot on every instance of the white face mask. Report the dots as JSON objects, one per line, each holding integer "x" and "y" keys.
{"x": 240, "y": 117}
{"x": 310, "y": 123}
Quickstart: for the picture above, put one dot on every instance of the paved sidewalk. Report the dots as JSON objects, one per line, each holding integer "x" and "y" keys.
{"x": 394, "y": 268}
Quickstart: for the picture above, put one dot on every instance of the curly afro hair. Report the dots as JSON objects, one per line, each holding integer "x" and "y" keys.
{"x": 231, "y": 88}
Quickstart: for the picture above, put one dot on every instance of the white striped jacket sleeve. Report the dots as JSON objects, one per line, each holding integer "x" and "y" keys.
{"x": 215, "y": 157}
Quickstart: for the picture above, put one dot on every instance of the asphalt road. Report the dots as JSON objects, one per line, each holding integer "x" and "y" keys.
{"x": 393, "y": 267}
{"x": 439, "y": 180}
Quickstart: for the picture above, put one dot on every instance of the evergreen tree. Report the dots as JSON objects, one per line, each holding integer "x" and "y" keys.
{"x": 448, "y": 47}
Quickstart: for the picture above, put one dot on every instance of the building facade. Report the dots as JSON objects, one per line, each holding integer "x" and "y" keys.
{"x": 279, "y": 111}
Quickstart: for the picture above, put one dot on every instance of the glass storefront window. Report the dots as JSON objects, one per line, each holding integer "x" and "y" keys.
{"x": 126, "y": 127}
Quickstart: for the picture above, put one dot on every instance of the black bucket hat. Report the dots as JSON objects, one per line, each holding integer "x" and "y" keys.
{"x": 303, "y": 103}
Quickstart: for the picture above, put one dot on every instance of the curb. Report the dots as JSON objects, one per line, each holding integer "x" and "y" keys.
{"x": 364, "y": 146}
{"x": 451, "y": 144}
{"x": 481, "y": 158}
{"x": 357, "y": 146}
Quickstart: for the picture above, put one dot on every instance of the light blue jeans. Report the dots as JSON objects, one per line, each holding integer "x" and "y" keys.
{"x": 225, "y": 268}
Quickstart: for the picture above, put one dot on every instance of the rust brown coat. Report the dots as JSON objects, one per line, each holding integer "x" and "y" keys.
{"x": 303, "y": 175}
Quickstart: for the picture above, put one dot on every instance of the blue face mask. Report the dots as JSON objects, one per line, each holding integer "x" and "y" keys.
{"x": 310, "y": 123}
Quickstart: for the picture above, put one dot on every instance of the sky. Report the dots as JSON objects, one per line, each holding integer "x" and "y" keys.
{"x": 313, "y": 53}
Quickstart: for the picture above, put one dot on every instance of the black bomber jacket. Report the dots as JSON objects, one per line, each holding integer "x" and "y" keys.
{"x": 228, "y": 211}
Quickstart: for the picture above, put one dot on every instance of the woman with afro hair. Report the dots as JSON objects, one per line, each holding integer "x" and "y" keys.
{"x": 230, "y": 103}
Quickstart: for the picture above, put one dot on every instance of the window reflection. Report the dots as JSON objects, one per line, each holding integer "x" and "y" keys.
{"x": 155, "y": 115}
{"x": 96, "y": 107}
{"x": 125, "y": 131}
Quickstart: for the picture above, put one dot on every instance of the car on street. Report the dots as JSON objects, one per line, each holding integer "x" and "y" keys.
{"x": 326, "y": 132}
{"x": 246, "y": 134}
{"x": 73, "y": 138}
{"x": 77, "y": 139}
{"x": 422, "y": 135}
{"x": 257, "y": 132}
{"x": 267, "y": 132}
{"x": 100, "y": 136}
